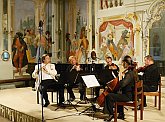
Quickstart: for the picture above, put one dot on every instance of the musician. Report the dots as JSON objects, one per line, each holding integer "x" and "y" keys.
{"x": 150, "y": 77}
{"x": 46, "y": 72}
{"x": 125, "y": 85}
{"x": 110, "y": 72}
{"x": 74, "y": 79}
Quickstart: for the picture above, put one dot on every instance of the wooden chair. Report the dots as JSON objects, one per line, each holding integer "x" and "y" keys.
{"x": 138, "y": 101}
{"x": 156, "y": 94}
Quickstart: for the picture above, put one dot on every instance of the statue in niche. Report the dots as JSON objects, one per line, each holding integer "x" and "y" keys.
{"x": 111, "y": 4}
{"x": 116, "y": 3}
{"x": 104, "y": 4}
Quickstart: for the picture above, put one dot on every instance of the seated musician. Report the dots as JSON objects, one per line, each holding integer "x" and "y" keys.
{"x": 125, "y": 85}
{"x": 150, "y": 76}
{"x": 74, "y": 79}
{"x": 110, "y": 72}
{"x": 47, "y": 80}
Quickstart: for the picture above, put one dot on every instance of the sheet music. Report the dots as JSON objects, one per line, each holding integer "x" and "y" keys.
{"x": 90, "y": 81}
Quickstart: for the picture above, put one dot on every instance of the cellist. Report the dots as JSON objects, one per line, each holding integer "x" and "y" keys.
{"x": 126, "y": 85}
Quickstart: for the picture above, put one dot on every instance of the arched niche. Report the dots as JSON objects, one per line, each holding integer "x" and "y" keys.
{"x": 156, "y": 29}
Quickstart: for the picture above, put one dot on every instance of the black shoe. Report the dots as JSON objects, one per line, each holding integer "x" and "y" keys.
{"x": 109, "y": 118}
{"x": 121, "y": 116}
{"x": 145, "y": 105}
{"x": 46, "y": 104}
{"x": 61, "y": 104}
{"x": 72, "y": 99}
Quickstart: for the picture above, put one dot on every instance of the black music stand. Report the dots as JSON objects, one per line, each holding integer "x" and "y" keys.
{"x": 91, "y": 82}
{"x": 68, "y": 102}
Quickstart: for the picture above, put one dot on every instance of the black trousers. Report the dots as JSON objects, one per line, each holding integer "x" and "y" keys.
{"x": 81, "y": 86}
{"x": 110, "y": 99}
{"x": 149, "y": 88}
{"x": 52, "y": 84}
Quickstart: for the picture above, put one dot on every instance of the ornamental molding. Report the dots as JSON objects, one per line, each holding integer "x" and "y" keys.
{"x": 154, "y": 12}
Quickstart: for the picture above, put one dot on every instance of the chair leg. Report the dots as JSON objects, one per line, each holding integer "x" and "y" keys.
{"x": 141, "y": 112}
{"x": 52, "y": 96}
{"x": 135, "y": 114}
{"x": 115, "y": 115}
{"x": 57, "y": 97}
{"x": 37, "y": 97}
{"x": 155, "y": 101}
{"x": 159, "y": 102}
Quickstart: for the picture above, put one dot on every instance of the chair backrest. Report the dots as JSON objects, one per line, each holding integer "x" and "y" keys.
{"x": 138, "y": 93}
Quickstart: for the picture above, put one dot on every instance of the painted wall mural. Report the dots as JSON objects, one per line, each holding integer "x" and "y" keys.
{"x": 23, "y": 45}
{"x": 116, "y": 39}
{"x": 77, "y": 43}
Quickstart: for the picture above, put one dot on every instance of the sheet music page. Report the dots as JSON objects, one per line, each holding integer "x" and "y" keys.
{"x": 90, "y": 81}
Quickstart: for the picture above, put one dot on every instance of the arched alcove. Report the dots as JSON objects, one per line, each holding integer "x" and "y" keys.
{"x": 156, "y": 30}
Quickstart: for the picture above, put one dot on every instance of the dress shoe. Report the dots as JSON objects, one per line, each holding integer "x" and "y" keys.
{"x": 33, "y": 89}
{"x": 109, "y": 118}
{"x": 46, "y": 104}
{"x": 61, "y": 104}
{"x": 121, "y": 116}
{"x": 71, "y": 99}
{"x": 145, "y": 105}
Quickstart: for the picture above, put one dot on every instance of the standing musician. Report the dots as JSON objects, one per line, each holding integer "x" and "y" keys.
{"x": 150, "y": 77}
{"x": 126, "y": 86}
{"x": 110, "y": 72}
{"x": 47, "y": 73}
{"x": 74, "y": 79}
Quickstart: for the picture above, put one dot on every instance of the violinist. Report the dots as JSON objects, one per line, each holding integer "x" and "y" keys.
{"x": 150, "y": 76}
{"x": 74, "y": 79}
{"x": 125, "y": 85}
{"x": 110, "y": 72}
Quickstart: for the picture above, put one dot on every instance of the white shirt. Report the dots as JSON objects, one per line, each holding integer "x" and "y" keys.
{"x": 50, "y": 74}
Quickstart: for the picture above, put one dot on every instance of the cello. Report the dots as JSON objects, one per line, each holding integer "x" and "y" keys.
{"x": 112, "y": 86}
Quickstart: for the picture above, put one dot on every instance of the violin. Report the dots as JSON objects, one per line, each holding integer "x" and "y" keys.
{"x": 112, "y": 66}
{"x": 141, "y": 69}
{"x": 76, "y": 67}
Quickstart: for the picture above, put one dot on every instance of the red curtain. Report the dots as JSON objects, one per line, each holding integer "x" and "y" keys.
{"x": 126, "y": 24}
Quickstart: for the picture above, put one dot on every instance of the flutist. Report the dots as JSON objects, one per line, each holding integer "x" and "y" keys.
{"x": 45, "y": 77}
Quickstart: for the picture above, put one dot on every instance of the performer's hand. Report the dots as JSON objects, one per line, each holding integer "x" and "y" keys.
{"x": 44, "y": 69}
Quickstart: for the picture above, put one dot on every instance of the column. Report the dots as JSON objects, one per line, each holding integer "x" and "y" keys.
{"x": 55, "y": 31}
{"x": 89, "y": 24}
{"x": 96, "y": 25}
{"x": 9, "y": 27}
{"x": 1, "y": 28}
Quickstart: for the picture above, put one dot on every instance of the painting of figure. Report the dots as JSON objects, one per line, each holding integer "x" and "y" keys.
{"x": 117, "y": 37}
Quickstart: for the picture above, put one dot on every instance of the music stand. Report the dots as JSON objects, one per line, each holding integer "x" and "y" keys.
{"x": 66, "y": 85}
{"x": 91, "y": 82}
